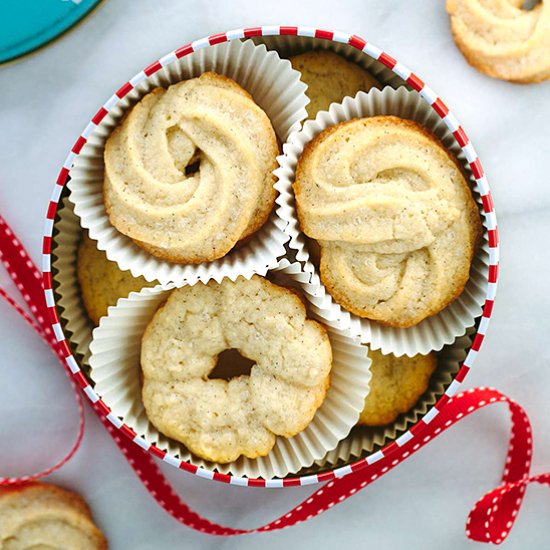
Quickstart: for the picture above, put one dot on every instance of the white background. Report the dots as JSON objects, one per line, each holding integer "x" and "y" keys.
{"x": 47, "y": 99}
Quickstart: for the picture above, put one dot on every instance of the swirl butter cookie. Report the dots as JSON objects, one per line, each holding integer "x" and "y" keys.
{"x": 393, "y": 215}
{"x": 502, "y": 39}
{"x": 188, "y": 173}
{"x": 396, "y": 385}
{"x": 330, "y": 78}
{"x": 40, "y": 515}
{"x": 221, "y": 420}
{"x": 101, "y": 281}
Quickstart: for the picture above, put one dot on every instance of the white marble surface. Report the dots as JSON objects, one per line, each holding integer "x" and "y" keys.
{"x": 48, "y": 98}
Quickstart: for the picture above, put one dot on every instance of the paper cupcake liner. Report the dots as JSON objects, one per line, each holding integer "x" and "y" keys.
{"x": 287, "y": 46}
{"x": 433, "y": 332}
{"x": 115, "y": 364}
{"x": 276, "y": 88}
{"x": 73, "y": 315}
{"x": 363, "y": 441}
{"x": 78, "y": 328}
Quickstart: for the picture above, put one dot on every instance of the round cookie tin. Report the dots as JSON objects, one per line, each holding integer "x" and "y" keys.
{"x": 411, "y": 80}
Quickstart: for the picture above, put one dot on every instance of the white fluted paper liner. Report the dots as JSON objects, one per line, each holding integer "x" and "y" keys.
{"x": 289, "y": 45}
{"x": 363, "y": 441}
{"x": 72, "y": 313}
{"x": 433, "y": 332}
{"x": 276, "y": 88}
{"x": 115, "y": 371}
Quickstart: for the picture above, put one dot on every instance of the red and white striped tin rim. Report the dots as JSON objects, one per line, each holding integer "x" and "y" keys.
{"x": 430, "y": 97}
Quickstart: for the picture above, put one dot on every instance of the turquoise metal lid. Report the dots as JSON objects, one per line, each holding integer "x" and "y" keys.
{"x": 26, "y": 25}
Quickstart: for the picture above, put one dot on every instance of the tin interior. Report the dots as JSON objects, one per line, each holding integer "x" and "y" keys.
{"x": 286, "y": 46}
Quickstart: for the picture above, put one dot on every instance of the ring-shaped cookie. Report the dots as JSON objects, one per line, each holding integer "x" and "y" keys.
{"x": 220, "y": 420}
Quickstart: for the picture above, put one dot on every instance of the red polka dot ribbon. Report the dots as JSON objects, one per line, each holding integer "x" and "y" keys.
{"x": 490, "y": 520}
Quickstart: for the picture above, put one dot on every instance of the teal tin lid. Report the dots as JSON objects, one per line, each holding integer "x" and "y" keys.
{"x": 26, "y": 25}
